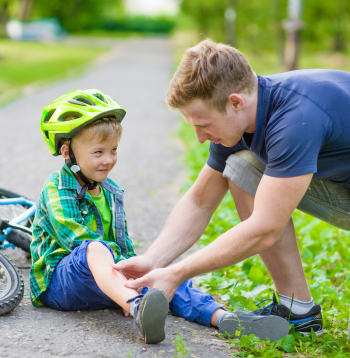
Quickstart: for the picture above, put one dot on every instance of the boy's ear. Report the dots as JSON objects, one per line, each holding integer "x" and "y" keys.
{"x": 65, "y": 151}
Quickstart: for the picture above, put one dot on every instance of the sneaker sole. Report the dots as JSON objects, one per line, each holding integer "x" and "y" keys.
{"x": 271, "y": 327}
{"x": 319, "y": 333}
{"x": 154, "y": 309}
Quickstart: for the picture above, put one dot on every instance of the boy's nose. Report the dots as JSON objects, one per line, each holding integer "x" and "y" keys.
{"x": 108, "y": 160}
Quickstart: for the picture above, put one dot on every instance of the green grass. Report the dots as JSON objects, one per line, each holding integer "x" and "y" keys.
{"x": 324, "y": 250}
{"x": 31, "y": 63}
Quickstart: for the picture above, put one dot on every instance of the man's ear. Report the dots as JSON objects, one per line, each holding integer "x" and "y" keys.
{"x": 236, "y": 101}
{"x": 65, "y": 151}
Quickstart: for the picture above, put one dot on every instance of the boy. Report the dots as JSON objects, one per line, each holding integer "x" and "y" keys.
{"x": 80, "y": 231}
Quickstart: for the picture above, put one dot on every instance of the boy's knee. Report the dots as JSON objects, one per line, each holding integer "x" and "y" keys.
{"x": 96, "y": 248}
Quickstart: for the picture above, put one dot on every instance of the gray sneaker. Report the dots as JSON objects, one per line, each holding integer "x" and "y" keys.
{"x": 150, "y": 312}
{"x": 271, "y": 327}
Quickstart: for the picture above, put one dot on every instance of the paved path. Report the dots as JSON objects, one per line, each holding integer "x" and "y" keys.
{"x": 136, "y": 74}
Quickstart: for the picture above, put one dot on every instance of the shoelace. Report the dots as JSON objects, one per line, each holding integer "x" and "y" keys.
{"x": 137, "y": 305}
{"x": 268, "y": 308}
{"x": 134, "y": 298}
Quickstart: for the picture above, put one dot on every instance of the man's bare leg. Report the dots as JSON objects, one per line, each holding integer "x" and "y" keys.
{"x": 283, "y": 258}
{"x": 110, "y": 281}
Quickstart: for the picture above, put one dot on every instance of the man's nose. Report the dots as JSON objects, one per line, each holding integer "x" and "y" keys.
{"x": 201, "y": 136}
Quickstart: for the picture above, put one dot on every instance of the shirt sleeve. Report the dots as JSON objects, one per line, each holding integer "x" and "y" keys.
{"x": 64, "y": 220}
{"x": 219, "y": 153}
{"x": 294, "y": 140}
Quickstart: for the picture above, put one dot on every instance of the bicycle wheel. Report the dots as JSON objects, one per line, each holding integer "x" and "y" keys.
{"x": 11, "y": 286}
{"x": 16, "y": 237}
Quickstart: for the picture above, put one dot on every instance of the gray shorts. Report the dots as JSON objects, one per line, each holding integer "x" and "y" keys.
{"x": 323, "y": 199}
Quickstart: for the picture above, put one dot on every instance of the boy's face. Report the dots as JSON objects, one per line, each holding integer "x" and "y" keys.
{"x": 95, "y": 158}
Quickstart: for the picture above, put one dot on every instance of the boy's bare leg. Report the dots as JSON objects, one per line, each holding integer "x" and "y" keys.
{"x": 110, "y": 281}
{"x": 215, "y": 316}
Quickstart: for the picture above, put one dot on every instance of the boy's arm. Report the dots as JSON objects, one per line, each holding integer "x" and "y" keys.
{"x": 65, "y": 222}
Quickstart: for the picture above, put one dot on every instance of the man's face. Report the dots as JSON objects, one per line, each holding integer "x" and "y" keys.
{"x": 209, "y": 124}
{"x": 95, "y": 158}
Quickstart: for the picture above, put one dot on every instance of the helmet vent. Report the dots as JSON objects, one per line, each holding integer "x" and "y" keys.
{"x": 69, "y": 116}
{"x": 110, "y": 99}
{"x": 100, "y": 97}
{"x": 49, "y": 115}
{"x": 83, "y": 101}
{"x": 73, "y": 101}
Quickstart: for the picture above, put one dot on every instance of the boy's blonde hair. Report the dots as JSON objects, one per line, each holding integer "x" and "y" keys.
{"x": 211, "y": 72}
{"x": 102, "y": 129}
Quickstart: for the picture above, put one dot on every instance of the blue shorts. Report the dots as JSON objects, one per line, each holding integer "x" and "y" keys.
{"x": 74, "y": 288}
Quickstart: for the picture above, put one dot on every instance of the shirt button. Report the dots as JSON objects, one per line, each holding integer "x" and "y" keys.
{"x": 98, "y": 226}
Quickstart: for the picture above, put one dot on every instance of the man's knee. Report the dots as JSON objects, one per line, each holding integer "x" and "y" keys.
{"x": 244, "y": 170}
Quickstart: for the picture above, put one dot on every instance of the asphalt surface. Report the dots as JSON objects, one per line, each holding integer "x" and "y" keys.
{"x": 136, "y": 74}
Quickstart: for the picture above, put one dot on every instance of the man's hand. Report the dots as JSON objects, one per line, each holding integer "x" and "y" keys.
{"x": 164, "y": 278}
{"x": 134, "y": 267}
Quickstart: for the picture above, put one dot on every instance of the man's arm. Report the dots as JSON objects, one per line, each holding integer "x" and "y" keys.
{"x": 275, "y": 200}
{"x": 184, "y": 226}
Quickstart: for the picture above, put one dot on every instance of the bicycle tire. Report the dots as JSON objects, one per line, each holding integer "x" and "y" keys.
{"x": 9, "y": 194}
{"x": 20, "y": 239}
{"x": 16, "y": 237}
{"x": 11, "y": 285}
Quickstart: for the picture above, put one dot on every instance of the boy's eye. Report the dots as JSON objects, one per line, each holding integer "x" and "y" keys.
{"x": 114, "y": 150}
{"x": 98, "y": 152}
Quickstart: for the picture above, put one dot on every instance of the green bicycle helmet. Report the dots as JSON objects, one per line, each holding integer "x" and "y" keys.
{"x": 86, "y": 106}
{"x": 82, "y": 108}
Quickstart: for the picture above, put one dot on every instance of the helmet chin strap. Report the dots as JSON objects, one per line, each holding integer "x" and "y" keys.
{"x": 74, "y": 167}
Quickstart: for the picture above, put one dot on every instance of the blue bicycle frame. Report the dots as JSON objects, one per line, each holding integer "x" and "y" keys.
{"x": 18, "y": 219}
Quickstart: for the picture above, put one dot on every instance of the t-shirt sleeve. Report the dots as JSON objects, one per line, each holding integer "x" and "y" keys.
{"x": 294, "y": 140}
{"x": 219, "y": 153}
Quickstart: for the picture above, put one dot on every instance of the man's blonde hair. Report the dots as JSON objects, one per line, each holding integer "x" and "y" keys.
{"x": 211, "y": 72}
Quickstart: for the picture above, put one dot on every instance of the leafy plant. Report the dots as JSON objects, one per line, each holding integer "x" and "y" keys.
{"x": 181, "y": 350}
{"x": 131, "y": 353}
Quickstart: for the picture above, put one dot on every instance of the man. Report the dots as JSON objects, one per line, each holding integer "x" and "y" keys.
{"x": 277, "y": 142}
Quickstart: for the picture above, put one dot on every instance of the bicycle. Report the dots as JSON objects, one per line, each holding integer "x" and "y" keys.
{"x": 16, "y": 215}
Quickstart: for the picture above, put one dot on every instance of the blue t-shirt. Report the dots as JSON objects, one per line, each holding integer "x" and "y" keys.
{"x": 302, "y": 126}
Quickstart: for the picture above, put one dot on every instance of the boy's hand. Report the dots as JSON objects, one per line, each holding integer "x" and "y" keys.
{"x": 134, "y": 267}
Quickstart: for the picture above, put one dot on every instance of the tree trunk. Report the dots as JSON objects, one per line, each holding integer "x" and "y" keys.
{"x": 291, "y": 51}
{"x": 339, "y": 41}
{"x": 4, "y": 16}
{"x": 230, "y": 23}
{"x": 292, "y": 26}
{"x": 26, "y": 7}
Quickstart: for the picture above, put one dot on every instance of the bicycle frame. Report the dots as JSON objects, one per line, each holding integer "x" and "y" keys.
{"x": 18, "y": 219}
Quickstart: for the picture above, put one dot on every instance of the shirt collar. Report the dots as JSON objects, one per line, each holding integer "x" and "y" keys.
{"x": 67, "y": 180}
{"x": 261, "y": 115}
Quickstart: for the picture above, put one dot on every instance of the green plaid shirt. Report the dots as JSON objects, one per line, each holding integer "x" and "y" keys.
{"x": 62, "y": 223}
